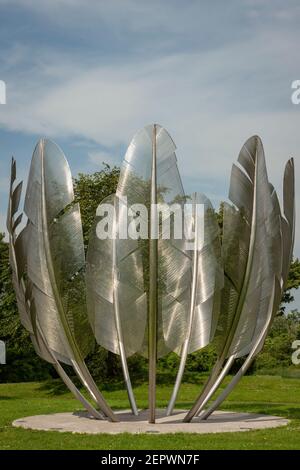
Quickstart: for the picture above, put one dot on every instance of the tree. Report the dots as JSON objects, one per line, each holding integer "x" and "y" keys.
{"x": 277, "y": 350}
{"x": 293, "y": 282}
{"x": 90, "y": 190}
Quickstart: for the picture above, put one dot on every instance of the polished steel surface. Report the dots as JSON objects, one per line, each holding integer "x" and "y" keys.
{"x": 155, "y": 294}
{"x": 23, "y": 290}
{"x": 252, "y": 257}
{"x": 114, "y": 315}
{"x": 264, "y": 323}
{"x": 207, "y": 282}
{"x": 58, "y": 301}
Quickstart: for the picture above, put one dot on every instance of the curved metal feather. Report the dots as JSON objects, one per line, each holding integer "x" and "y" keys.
{"x": 55, "y": 262}
{"x": 114, "y": 305}
{"x": 25, "y": 305}
{"x": 114, "y": 268}
{"x": 249, "y": 261}
{"x": 132, "y": 280}
{"x": 149, "y": 176}
{"x": 288, "y": 221}
{"x": 174, "y": 264}
{"x": 207, "y": 282}
{"x": 284, "y": 253}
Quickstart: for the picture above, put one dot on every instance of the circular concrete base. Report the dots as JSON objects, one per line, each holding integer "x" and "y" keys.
{"x": 81, "y": 422}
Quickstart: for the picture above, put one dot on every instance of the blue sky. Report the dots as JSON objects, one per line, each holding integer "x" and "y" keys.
{"x": 90, "y": 73}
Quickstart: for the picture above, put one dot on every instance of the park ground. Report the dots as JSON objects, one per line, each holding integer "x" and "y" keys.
{"x": 258, "y": 394}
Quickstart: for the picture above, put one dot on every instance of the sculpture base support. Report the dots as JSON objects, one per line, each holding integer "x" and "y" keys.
{"x": 80, "y": 422}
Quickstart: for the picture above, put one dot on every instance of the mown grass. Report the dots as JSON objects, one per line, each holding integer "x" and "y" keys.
{"x": 257, "y": 394}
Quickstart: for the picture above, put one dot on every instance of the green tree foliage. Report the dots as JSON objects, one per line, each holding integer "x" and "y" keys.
{"x": 293, "y": 282}
{"x": 90, "y": 190}
{"x": 277, "y": 350}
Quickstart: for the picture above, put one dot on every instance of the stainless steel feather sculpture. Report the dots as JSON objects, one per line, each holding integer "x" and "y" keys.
{"x": 51, "y": 254}
{"x": 281, "y": 245}
{"x": 207, "y": 282}
{"x": 23, "y": 287}
{"x": 252, "y": 256}
{"x": 138, "y": 294}
{"x": 116, "y": 301}
{"x": 144, "y": 289}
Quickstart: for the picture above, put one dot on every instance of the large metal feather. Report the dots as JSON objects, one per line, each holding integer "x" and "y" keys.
{"x": 115, "y": 291}
{"x": 23, "y": 290}
{"x": 174, "y": 263}
{"x": 250, "y": 234}
{"x": 288, "y": 221}
{"x": 55, "y": 262}
{"x": 265, "y": 255}
{"x": 153, "y": 272}
{"x": 207, "y": 282}
{"x": 132, "y": 255}
{"x": 208, "y": 274}
{"x": 115, "y": 287}
{"x": 283, "y": 246}
{"x": 55, "y": 252}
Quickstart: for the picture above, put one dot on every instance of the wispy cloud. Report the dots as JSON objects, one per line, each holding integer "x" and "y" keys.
{"x": 213, "y": 73}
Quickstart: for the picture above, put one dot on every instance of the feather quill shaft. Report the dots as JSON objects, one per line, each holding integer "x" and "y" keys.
{"x": 153, "y": 275}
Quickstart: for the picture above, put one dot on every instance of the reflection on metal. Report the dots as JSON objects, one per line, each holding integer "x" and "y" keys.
{"x": 22, "y": 288}
{"x": 48, "y": 254}
{"x": 207, "y": 282}
{"x": 253, "y": 261}
{"x": 105, "y": 296}
{"x": 263, "y": 325}
{"x": 150, "y": 295}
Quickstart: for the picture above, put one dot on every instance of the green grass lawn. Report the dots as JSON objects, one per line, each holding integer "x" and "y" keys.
{"x": 258, "y": 394}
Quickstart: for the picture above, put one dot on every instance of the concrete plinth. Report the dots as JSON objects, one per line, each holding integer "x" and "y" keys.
{"x": 81, "y": 422}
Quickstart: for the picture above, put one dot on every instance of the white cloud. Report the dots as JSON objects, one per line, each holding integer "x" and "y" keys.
{"x": 202, "y": 99}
